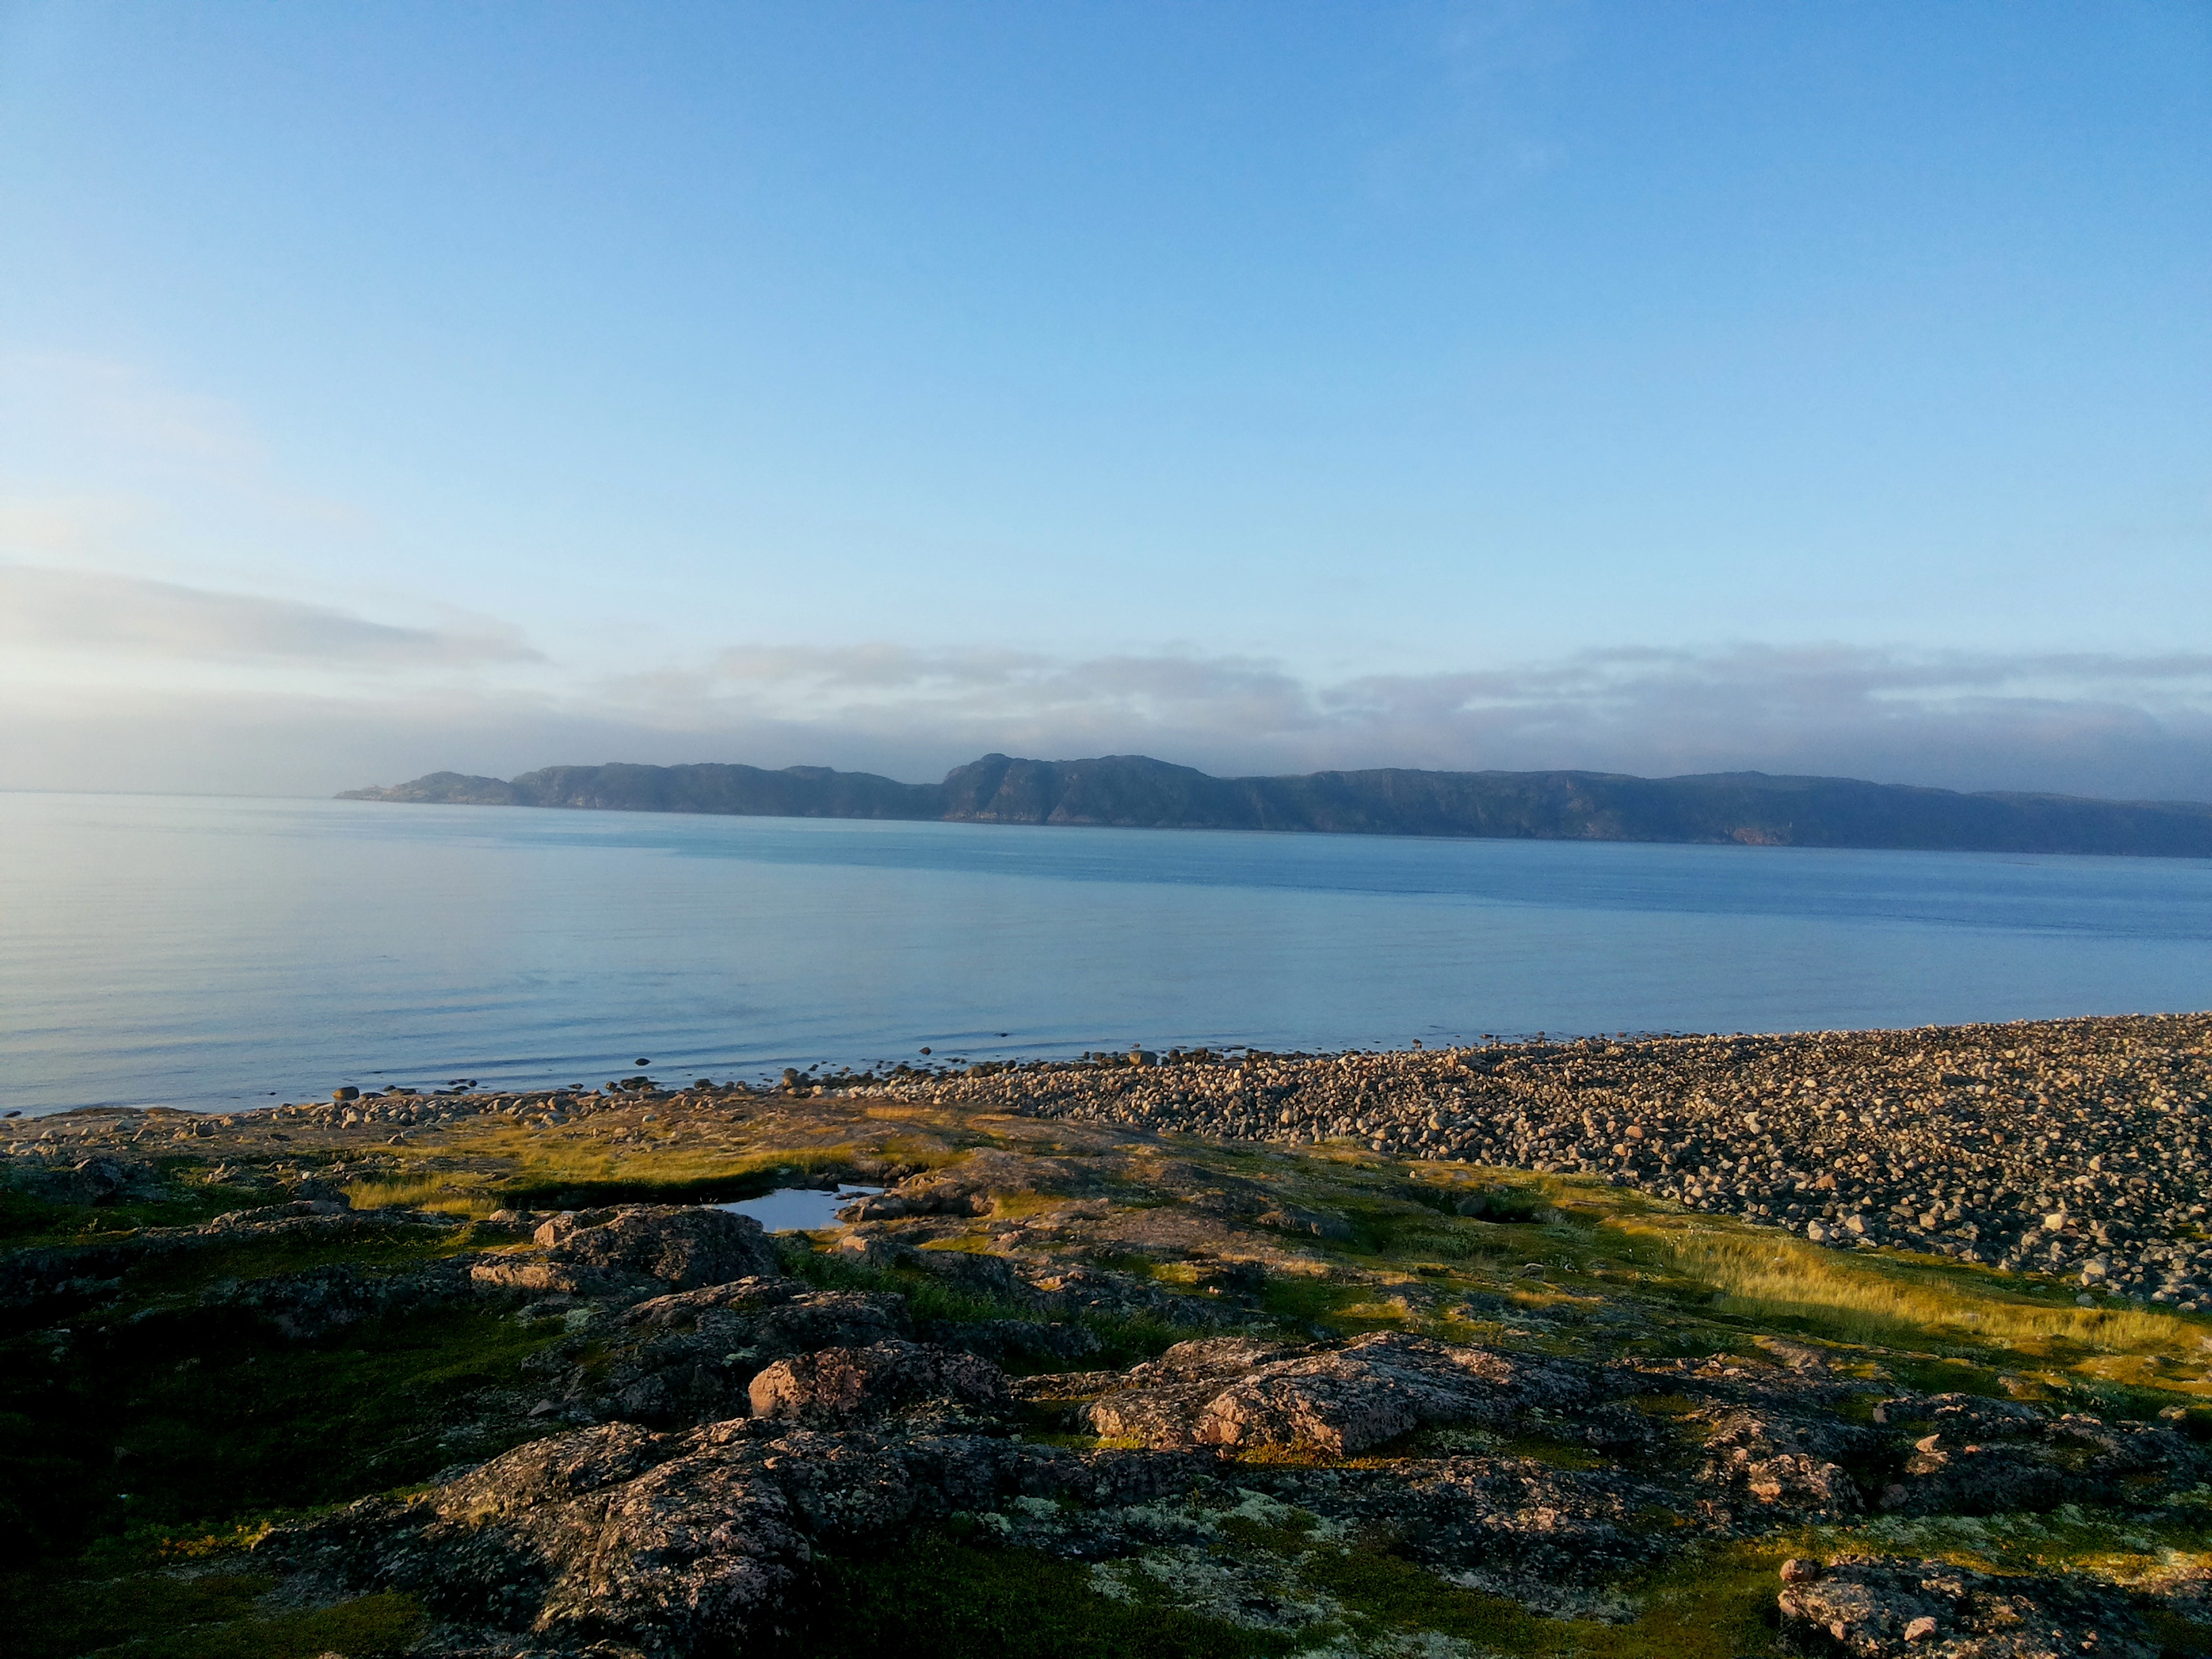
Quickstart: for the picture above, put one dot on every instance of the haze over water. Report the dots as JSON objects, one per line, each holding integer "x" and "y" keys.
{"x": 218, "y": 953}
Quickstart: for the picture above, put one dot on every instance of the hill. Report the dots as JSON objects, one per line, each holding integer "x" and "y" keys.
{"x": 1136, "y": 792}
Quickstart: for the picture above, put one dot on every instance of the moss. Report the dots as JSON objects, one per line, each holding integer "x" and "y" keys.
{"x": 153, "y": 1615}
{"x": 1721, "y": 1606}
{"x": 1123, "y": 1339}
{"x": 935, "y": 1596}
{"x": 1384, "y": 1590}
{"x": 1941, "y": 1376}
{"x": 2176, "y": 1638}
{"x": 1308, "y": 1300}
{"x": 491, "y": 1162}
{"x": 27, "y": 1221}
{"x": 160, "y": 1276}
{"x": 1292, "y": 1536}
{"x": 208, "y": 1418}
{"x": 1555, "y": 1454}
{"x": 2125, "y": 1547}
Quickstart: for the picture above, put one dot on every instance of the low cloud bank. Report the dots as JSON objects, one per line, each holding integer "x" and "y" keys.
{"x": 85, "y": 612}
{"x": 2139, "y": 739}
{"x": 171, "y": 688}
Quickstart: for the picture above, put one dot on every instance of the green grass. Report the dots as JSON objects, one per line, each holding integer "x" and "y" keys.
{"x": 209, "y": 1418}
{"x": 1700, "y": 1283}
{"x": 1122, "y": 1340}
{"x": 150, "y": 1615}
{"x": 26, "y": 1221}
{"x": 935, "y": 1593}
{"x": 479, "y": 1168}
{"x": 933, "y": 1596}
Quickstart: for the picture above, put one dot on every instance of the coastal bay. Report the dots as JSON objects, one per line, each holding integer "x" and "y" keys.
{"x": 215, "y": 954}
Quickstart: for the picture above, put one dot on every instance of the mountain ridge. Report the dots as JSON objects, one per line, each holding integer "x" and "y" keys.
{"x": 1138, "y": 791}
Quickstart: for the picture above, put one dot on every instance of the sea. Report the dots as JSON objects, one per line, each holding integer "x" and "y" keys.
{"x": 215, "y": 954}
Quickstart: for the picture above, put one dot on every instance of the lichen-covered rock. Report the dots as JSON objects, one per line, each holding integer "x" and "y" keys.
{"x": 1491, "y": 1514}
{"x": 317, "y": 1301}
{"x": 667, "y": 1544}
{"x": 775, "y": 1315}
{"x": 1867, "y": 1608}
{"x": 1025, "y": 1341}
{"x": 636, "y": 1248}
{"x": 1235, "y": 1393}
{"x": 1761, "y": 1460}
{"x": 1989, "y": 1456}
{"x": 846, "y": 1385}
{"x": 614, "y": 1532}
{"x": 688, "y": 1357}
{"x": 1157, "y": 1403}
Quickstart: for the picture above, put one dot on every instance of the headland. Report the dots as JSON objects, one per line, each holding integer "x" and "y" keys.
{"x": 1137, "y": 792}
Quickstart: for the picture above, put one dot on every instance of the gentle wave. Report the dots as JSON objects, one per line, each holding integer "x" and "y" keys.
{"x": 211, "y": 953}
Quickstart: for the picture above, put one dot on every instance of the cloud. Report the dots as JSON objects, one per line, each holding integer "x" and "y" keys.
{"x": 119, "y": 408}
{"x": 79, "y": 612}
{"x": 2136, "y": 726}
{"x": 2096, "y": 723}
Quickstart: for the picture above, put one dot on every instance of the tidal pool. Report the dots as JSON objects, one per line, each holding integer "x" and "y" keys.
{"x": 798, "y": 1209}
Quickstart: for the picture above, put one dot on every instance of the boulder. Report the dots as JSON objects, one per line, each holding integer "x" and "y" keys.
{"x": 1232, "y": 1392}
{"x": 617, "y": 1540}
{"x": 1765, "y": 1459}
{"x": 687, "y": 1358}
{"x": 1157, "y": 1403}
{"x": 1991, "y": 1457}
{"x": 845, "y": 1386}
{"x": 1867, "y": 1608}
{"x": 636, "y": 1249}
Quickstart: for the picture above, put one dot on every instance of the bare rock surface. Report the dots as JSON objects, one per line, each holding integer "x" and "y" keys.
{"x": 1767, "y": 1458}
{"x": 838, "y": 1387}
{"x": 671, "y": 1544}
{"x": 628, "y": 1248}
{"x": 1988, "y": 1456}
{"x": 1864, "y": 1609}
{"x": 1231, "y": 1392}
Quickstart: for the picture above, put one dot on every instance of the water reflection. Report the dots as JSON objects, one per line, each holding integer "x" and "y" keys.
{"x": 222, "y": 954}
{"x": 798, "y": 1209}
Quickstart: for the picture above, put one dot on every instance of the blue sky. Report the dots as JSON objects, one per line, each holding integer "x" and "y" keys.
{"x": 1812, "y": 387}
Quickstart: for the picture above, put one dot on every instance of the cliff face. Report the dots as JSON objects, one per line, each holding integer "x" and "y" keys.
{"x": 1136, "y": 792}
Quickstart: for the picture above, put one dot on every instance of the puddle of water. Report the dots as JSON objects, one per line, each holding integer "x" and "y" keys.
{"x": 798, "y": 1209}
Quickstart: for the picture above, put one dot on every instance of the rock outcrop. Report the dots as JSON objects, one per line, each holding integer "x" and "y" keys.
{"x": 1235, "y": 1393}
{"x": 1864, "y": 1608}
{"x": 838, "y": 1387}
{"x": 634, "y": 1248}
{"x": 658, "y": 1544}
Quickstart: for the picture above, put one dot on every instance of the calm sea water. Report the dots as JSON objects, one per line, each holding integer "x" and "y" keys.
{"x": 209, "y": 952}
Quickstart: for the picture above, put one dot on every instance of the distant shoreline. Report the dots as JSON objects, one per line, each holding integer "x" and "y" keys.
{"x": 1750, "y": 808}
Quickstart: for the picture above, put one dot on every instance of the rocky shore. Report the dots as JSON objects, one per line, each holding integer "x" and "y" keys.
{"x": 2077, "y": 1147}
{"x": 1683, "y": 1346}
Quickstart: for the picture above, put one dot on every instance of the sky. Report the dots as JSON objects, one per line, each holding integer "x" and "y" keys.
{"x": 391, "y": 388}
